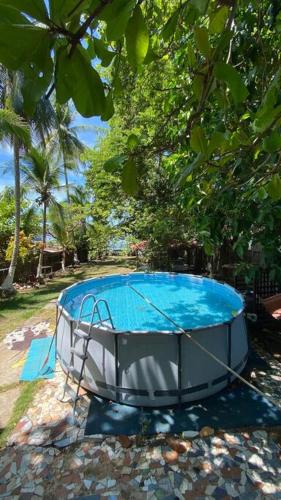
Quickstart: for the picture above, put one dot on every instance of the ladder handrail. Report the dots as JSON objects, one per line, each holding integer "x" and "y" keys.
{"x": 95, "y": 310}
{"x": 87, "y": 339}
{"x": 107, "y": 309}
{"x": 85, "y": 298}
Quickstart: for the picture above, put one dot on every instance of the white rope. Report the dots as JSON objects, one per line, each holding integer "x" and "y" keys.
{"x": 211, "y": 355}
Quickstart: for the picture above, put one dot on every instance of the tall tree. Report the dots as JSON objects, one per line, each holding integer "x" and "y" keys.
{"x": 42, "y": 175}
{"x": 65, "y": 139}
{"x": 14, "y": 130}
{"x": 59, "y": 229}
{"x": 12, "y": 86}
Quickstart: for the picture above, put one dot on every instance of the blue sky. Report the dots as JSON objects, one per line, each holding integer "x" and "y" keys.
{"x": 89, "y": 138}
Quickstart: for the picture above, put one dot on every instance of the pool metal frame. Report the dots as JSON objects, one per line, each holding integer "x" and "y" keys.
{"x": 179, "y": 392}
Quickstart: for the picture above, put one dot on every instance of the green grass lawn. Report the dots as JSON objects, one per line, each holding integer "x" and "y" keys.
{"x": 15, "y": 310}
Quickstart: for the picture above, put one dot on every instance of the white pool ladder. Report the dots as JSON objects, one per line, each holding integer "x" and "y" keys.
{"x": 79, "y": 333}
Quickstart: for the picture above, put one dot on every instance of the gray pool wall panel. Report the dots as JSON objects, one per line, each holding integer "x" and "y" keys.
{"x": 148, "y": 362}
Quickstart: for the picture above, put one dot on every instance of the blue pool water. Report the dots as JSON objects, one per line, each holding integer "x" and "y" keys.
{"x": 191, "y": 301}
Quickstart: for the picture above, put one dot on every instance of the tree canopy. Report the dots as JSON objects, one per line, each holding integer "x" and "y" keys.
{"x": 191, "y": 90}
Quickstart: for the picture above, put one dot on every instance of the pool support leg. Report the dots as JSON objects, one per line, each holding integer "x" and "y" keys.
{"x": 179, "y": 336}
{"x": 116, "y": 352}
{"x": 229, "y": 349}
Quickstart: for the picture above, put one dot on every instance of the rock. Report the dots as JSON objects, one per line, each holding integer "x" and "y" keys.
{"x": 231, "y": 439}
{"x": 23, "y": 426}
{"x": 206, "y": 432}
{"x": 268, "y": 488}
{"x": 39, "y": 490}
{"x": 231, "y": 491}
{"x": 87, "y": 483}
{"x": 256, "y": 460}
{"x": 206, "y": 466}
{"x": 111, "y": 483}
{"x": 125, "y": 441}
{"x": 190, "y": 434}
{"x": 260, "y": 435}
{"x": 171, "y": 457}
{"x": 178, "y": 446}
{"x": 39, "y": 437}
{"x": 210, "y": 489}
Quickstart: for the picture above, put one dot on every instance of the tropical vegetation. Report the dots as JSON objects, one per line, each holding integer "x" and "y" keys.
{"x": 190, "y": 91}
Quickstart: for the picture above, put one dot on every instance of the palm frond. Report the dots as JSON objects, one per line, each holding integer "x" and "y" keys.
{"x": 12, "y": 125}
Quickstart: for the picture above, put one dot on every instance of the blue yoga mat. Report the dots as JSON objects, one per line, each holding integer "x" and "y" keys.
{"x": 37, "y": 354}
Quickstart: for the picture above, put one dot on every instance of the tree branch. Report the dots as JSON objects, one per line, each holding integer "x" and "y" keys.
{"x": 83, "y": 28}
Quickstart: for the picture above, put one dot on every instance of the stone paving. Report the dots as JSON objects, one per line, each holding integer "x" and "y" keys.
{"x": 48, "y": 457}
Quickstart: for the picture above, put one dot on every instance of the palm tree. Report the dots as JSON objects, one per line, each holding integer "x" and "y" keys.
{"x": 11, "y": 101}
{"x": 78, "y": 199}
{"x": 14, "y": 130}
{"x": 65, "y": 140}
{"x": 42, "y": 175}
{"x": 59, "y": 231}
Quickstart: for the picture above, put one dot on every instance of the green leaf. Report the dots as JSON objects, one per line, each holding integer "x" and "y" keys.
{"x": 129, "y": 177}
{"x": 12, "y": 124}
{"x": 270, "y": 106}
{"x": 189, "y": 169}
{"x": 274, "y": 187}
{"x": 76, "y": 78}
{"x": 272, "y": 143}
{"x": 37, "y": 76}
{"x": 19, "y": 43}
{"x": 191, "y": 58}
{"x": 200, "y": 5}
{"x": 265, "y": 117}
{"x": 216, "y": 142}
{"x": 137, "y": 38}
{"x": 202, "y": 41}
{"x": 102, "y": 53}
{"x": 60, "y": 10}
{"x": 262, "y": 193}
{"x": 117, "y": 15}
{"x": 150, "y": 55}
{"x": 34, "y": 87}
{"x": 218, "y": 20}
{"x": 11, "y": 15}
{"x": 62, "y": 74}
{"x": 132, "y": 141}
{"x": 34, "y": 8}
{"x": 197, "y": 86}
{"x": 109, "y": 108}
{"x": 198, "y": 140}
{"x": 170, "y": 26}
{"x": 272, "y": 93}
{"x": 208, "y": 247}
{"x": 114, "y": 163}
{"x": 233, "y": 79}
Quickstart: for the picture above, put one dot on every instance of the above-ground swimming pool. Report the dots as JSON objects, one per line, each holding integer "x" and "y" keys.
{"x": 145, "y": 360}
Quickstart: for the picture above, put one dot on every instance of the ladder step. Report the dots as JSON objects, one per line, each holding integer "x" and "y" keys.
{"x": 105, "y": 324}
{"x": 80, "y": 355}
{"x": 71, "y": 393}
{"x": 79, "y": 333}
{"x": 70, "y": 368}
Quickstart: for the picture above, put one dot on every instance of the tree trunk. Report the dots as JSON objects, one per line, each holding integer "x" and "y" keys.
{"x": 7, "y": 285}
{"x": 66, "y": 183}
{"x": 63, "y": 261}
{"x": 39, "y": 274}
{"x": 75, "y": 256}
{"x": 76, "y": 260}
